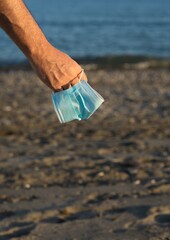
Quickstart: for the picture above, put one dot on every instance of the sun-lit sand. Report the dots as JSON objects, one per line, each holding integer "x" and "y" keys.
{"x": 107, "y": 178}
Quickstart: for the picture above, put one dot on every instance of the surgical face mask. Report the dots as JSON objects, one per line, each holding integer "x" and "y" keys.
{"x": 78, "y": 102}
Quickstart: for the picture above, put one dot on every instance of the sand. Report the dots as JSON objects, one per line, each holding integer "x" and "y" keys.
{"x": 105, "y": 178}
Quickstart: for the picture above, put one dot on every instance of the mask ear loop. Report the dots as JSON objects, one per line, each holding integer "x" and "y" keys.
{"x": 81, "y": 74}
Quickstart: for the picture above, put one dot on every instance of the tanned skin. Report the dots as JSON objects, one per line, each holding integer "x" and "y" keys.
{"x": 55, "y": 68}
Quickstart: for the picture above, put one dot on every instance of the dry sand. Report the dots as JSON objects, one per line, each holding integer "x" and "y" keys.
{"x": 107, "y": 178}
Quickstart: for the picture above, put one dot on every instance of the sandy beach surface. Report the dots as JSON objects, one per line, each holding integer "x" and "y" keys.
{"x": 107, "y": 178}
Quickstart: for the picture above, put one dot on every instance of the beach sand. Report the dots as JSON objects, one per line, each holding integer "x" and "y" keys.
{"x": 107, "y": 178}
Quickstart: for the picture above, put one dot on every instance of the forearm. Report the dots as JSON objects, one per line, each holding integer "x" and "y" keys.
{"x": 55, "y": 68}
{"x": 18, "y": 23}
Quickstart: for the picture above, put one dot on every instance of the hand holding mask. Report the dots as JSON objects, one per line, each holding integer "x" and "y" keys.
{"x": 78, "y": 102}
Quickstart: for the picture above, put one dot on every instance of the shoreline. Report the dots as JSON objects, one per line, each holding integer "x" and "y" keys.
{"x": 104, "y": 62}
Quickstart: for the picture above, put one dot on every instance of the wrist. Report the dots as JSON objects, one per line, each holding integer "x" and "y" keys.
{"x": 37, "y": 51}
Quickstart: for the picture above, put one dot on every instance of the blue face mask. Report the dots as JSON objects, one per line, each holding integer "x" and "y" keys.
{"x": 78, "y": 102}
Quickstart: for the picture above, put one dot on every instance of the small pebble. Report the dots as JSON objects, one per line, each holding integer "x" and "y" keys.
{"x": 137, "y": 182}
{"x": 27, "y": 186}
{"x": 101, "y": 174}
{"x": 7, "y": 108}
{"x": 153, "y": 181}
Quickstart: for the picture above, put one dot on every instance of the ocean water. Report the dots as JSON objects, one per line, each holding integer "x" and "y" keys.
{"x": 95, "y": 28}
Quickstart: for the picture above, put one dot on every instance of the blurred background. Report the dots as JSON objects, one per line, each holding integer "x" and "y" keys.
{"x": 100, "y": 28}
{"x": 107, "y": 177}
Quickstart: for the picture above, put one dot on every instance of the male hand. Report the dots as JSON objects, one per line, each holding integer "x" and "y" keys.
{"x": 56, "y": 69}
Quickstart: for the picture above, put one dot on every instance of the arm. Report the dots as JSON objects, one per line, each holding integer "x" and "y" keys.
{"x": 55, "y": 68}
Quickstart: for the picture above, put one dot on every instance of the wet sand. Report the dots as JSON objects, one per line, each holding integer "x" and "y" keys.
{"x": 105, "y": 178}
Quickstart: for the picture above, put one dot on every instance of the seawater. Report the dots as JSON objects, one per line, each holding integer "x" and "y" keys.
{"x": 95, "y": 28}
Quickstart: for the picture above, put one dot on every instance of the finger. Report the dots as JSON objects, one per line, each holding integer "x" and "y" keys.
{"x": 75, "y": 81}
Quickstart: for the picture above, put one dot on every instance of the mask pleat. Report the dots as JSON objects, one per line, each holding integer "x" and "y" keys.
{"x": 78, "y": 102}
